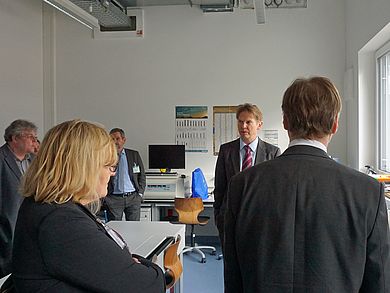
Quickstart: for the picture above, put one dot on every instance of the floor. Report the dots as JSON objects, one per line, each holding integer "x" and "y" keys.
{"x": 203, "y": 277}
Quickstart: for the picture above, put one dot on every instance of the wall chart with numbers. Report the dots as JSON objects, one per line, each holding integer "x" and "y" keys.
{"x": 191, "y": 128}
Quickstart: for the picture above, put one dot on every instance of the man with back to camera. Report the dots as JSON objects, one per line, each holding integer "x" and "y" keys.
{"x": 303, "y": 222}
{"x": 15, "y": 157}
{"x": 126, "y": 188}
{"x": 239, "y": 154}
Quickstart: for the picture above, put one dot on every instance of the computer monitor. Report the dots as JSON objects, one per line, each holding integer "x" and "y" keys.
{"x": 166, "y": 156}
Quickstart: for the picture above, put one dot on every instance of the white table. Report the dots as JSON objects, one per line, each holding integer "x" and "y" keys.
{"x": 2, "y": 280}
{"x": 155, "y": 204}
{"x": 144, "y": 237}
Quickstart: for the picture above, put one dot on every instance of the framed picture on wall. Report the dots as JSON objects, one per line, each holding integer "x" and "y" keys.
{"x": 224, "y": 126}
{"x": 191, "y": 128}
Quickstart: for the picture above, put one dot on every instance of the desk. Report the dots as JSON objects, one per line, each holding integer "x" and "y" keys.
{"x": 144, "y": 237}
{"x": 151, "y": 207}
{"x": 157, "y": 210}
{"x": 2, "y": 280}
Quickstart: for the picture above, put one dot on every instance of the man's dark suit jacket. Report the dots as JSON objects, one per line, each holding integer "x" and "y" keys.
{"x": 10, "y": 201}
{"x": 228, "y": 164}
{"x": 304, "y": 223}
{"x": 138, "y": 179}
{"x": 62, "y": 248}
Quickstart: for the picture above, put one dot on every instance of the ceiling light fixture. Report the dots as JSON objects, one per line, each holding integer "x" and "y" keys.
{"x": 74, "y": 12}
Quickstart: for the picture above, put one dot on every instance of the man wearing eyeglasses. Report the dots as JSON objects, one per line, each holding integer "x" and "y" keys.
{"x": 126, "y": 188}
{"x": 15, "y": 157}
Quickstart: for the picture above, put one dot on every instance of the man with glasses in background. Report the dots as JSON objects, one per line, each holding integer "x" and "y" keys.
{"x": 15, "y": 157}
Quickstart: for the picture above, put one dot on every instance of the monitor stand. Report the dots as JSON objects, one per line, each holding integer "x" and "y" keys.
{"x": 167, "y": 171}
{"x": 162, "y": 172}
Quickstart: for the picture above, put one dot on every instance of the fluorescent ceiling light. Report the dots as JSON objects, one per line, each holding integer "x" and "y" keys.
{"x": 74, "y": 12}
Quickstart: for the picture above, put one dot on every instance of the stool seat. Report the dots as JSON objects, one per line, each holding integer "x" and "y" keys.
{"x": 188, "y": 210}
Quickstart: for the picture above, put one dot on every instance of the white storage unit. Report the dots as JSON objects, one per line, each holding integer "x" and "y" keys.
{"x": 164, "y": 186}
{"x": 146, "y": 214}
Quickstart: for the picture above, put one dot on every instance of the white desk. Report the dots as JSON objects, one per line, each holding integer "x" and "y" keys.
{"x": 144, "y": 237}
{"x": 2, "y": 280}
{"x": 153, "y": 206}
{"x": 206, "y": 202}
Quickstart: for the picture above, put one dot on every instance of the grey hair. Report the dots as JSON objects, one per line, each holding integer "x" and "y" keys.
{"x": 17, "y": 127}
{"x": 120, "y": 130}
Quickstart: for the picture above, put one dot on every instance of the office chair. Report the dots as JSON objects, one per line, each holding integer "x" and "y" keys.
{"x": 172, "y": 264}
{"x": 188, "y": 210}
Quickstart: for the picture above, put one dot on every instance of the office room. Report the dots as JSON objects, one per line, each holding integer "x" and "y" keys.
{"x": 53, "y": 69}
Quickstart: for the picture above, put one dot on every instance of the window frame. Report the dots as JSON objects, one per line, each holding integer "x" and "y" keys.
{"x": 379, "y": 54}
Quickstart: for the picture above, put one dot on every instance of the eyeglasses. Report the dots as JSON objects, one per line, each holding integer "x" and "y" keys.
{"x": 112, "y": 168}
{"x": 30, "y": 136}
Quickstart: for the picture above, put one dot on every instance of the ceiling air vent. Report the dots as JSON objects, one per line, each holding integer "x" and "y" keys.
{"x": 105, "y": 14}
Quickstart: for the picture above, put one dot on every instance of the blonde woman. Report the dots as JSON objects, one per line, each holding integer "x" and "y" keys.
{"x": 59, "y": 244}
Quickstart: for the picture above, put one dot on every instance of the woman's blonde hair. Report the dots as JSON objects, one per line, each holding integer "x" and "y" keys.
{"x": 69, "y": 162}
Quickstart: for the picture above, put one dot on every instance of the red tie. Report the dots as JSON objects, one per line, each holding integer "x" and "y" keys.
{"x": 247, "y": 162}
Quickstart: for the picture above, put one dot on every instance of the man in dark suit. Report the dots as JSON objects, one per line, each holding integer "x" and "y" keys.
{"x": 126, "y": 188}
{"x": 303, "y": 222}
{"x": 234, "y": 156}
{"x": 20, "y": 140}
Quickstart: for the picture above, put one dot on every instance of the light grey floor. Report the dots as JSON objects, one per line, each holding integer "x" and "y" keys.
{"x": 203, "y": 277}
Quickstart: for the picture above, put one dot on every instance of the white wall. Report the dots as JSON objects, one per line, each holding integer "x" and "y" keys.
{"x": 187, "y": 58}
{"x": 366, "y": 30}
{"x": 191, "y": 58}
{"x": 21, "y": 62}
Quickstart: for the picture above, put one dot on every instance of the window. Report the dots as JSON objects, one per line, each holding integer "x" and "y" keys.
{"x": 383, "y": 75}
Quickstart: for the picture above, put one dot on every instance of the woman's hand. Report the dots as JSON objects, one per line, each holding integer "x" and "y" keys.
{"x": 136, "y": 260}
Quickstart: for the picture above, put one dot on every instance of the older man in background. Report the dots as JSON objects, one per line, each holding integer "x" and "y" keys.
{"x": 126, "y": 188}
{"x": 15, "y": 157}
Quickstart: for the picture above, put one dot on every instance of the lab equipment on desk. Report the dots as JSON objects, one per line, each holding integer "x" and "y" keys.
{"x": 164, "y": 186}
{"x": 370, "y": 170}
{"x": 385, "y": 179}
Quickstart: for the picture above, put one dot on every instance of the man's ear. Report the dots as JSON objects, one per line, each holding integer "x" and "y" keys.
{"x": 285, "y": 122}
{"x": 259, "y": 125}
{"x": 335, "y": 125}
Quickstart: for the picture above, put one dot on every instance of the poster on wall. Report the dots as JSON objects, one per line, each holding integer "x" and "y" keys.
{"x": 191, "y": 128}
{"x": 224, "y": 126}
{"x": 271, "y": 136}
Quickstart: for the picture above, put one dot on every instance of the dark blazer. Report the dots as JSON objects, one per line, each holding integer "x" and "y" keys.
{"x": 62, "y": 248}
{"x": 228, "y": 164}
{"x": 305, "y": 223}
{"x": 138, "y": 179}
{"x": 10, "y": 201}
